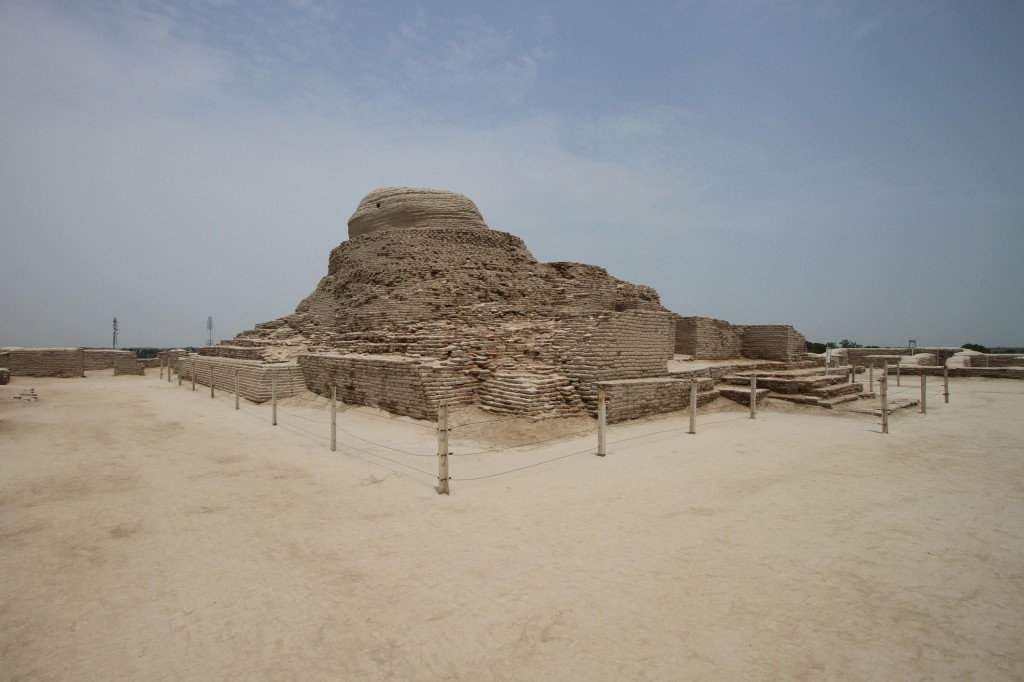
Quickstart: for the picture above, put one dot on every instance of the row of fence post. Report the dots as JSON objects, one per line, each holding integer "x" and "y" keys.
{"x": 883, "y": 392}
{"x": 443, "y": 428}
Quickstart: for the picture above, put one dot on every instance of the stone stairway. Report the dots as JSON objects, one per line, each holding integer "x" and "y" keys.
{"x": 805, "y": 386}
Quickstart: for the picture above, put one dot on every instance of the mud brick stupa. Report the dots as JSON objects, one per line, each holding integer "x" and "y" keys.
{"x": 424, "y": 304}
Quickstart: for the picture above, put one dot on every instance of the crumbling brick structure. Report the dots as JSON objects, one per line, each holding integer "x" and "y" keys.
{"x": 43, "y": 362}
{"x": 424, "y": 303}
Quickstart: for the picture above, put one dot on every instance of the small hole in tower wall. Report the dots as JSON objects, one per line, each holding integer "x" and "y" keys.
{"x": 378, "y": 204}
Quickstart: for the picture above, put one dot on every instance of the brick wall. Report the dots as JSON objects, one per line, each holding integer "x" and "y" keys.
{"x": 856, "y": 355}
{"x": 172, "y": 357}
{"x": 396, "y": 384}
{"x": 105, "y": 358}
{"x": 255, "y": 379}
{"x": 632, "y": 344}
{"x": 706, "y": 338}
{"x": 236, "y": 352}
{"x": 635, "y": 398}
{"x": 773, "y": 342}
{"x": 44, "y": 362}
{"x": 995, "y": 360}
{"x": 127, "y": 363}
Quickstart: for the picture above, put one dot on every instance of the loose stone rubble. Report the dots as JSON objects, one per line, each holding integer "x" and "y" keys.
{"x": 425, "y": 304}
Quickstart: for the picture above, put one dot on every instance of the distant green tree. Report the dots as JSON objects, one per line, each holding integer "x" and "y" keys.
{"x": 814, "y": 347}
{"x": 846, "y": 343}
{"x": 976, "y": 346}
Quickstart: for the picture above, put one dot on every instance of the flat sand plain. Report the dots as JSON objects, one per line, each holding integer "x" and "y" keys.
{"x": 151, "y": 532}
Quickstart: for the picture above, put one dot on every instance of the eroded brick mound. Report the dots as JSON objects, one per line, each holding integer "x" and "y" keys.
{"x": 424, "y": 302}
{"x": 405, "y": 208}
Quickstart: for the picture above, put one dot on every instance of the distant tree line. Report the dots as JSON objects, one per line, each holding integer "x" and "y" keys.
{"x": 152, "y": 352}
{"x": 814, "y": 347}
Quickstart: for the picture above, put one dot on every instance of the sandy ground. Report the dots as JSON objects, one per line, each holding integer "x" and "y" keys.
{"x": 149, "y": 532}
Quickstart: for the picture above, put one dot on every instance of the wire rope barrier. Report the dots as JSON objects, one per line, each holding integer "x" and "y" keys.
{"x": 901, "y": 398}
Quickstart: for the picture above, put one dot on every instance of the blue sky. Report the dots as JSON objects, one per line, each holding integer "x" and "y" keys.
{"x": 854, "y": 168}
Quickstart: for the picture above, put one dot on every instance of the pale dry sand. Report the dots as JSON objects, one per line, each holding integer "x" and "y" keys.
{"x": 149, "y": 532}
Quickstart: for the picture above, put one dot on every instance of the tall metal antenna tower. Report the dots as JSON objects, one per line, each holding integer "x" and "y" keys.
{"x": 209, "y": 331}
{"x": 115, "y": 333}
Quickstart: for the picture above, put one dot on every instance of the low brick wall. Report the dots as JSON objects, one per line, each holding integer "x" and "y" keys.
{"x": 398, "y": 385}
{"x": 632, "y": 344}
{"x": 128, "y": 364}
{"x": 773, "y": 342}
{"x": 995, "y": 360}
{"x": 236, "y": 352}
{"x": 105, "y": 358}
{"x": 171, "y": 356}
{"x": 635, "y": 398}
{"x": 43, "y": 362}
{"x": 942, "y": 353}
{"x": 254, "y": 378}
{"x": 963, "y": 372}
{"x": 705, "y": 338}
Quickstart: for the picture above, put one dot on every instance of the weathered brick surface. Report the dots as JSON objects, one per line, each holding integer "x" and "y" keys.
{"x": 635, "y": 398}
{"x": 171, "y": 356}
{"x": 399, "y": 385}
{"x": 255, "y": 379}
{"x": 127, "y": 363}
{"x": 44, "y": 362}
{"x": 773, "y": 342}
{"x": 229, "y": 351}
{"x": 995, "y": 360}
{"x": 104, "y": 358}
{"x": 705, "y": 338}
{"x": 856, "y": 355}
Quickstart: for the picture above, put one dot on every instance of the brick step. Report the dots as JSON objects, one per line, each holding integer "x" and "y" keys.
{"x": 798, "y": 398}
{"x": 742, "y": 395}
{"x": 835, "y": 390}
{"x": 832, "y": 401}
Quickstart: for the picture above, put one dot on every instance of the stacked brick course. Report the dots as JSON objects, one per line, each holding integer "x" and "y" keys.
{"x": 255, "y": 379}
{"x": 635, "y": 398}
{"x": 705, "y": 338}
{"x": 105, "y": 358}
{"x": 856, "y": 355}
{"x": 44, "y": 362}
{"x": 170, "y": 357}
{"x": 127, "y": 363}
{"x": 995, "y": 360}
{"x": 399, "y": 385}
{"x": 773, "y": 342}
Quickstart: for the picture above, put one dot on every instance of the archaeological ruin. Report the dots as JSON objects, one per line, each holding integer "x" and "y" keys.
{"x": 425, "y": 304}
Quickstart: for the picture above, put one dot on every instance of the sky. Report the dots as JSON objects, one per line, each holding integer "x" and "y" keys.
{"x": 854, "y": 168}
